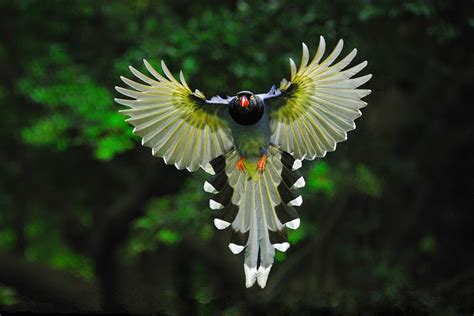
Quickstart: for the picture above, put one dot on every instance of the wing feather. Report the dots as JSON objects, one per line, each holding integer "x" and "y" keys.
{"x": 314, "y": 111}
{"x": 179, "y": 125}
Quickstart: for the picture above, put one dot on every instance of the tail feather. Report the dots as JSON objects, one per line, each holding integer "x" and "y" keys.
{"x": 239, "y": 239}
{"x": 227, "y": 214}
{"x": 287, "y": 215}
{"x": 259, "y": 210}
{"x": 247, "y": 207}
{"x": 224, "y": 196}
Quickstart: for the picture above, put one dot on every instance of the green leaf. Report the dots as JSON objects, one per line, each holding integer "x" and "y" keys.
{"x": 7, "y": 296}
{"x": 48, "y": 131}
{"x": 206, "y": 232}
{"x": 367, "y": 182}
{"x": 7, "y": 239}
{"x": 296, "y": 235}
{"x": 78, "y": 111}
{"x": 109, "y": 146}
{"x": 168, "y": 236}
{"x": 320, "y": 179}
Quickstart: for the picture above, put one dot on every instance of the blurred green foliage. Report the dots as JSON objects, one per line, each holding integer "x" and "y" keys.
{"x": 78, "y": 111}
{"x": 399, "y": 242}
{"x": 46, "y": 245}
{"x": 7, "y": 296}
{"x": 167, "y": 218}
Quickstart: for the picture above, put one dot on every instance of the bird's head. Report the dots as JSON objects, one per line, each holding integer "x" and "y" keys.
{"x": 245, "y": 98}
{"x": 246, "y": 108}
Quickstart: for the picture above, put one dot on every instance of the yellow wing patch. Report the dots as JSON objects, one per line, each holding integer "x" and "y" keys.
{"x": 321, "y": 103}
{"x": 172, "y": 120}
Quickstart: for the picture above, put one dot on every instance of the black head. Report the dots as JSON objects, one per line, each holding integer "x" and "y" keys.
{"x": 246, "y": 108}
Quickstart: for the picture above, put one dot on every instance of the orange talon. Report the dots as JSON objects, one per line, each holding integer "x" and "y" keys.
{"x": 262, "y": 163}
{"x": 240, "y": 164}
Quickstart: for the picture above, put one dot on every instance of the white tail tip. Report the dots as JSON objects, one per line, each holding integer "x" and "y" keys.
{"x": 250, "y": 276}
{"x": 299, "y": 183}
{"x": 297, "y": 201}
{"x": 294, "y": 224}
{"x": 215, "y": 205}
{"x": 236, "y": 249}
{"x": 296, "y": 165}
{"x": 209, "y": 188}
{"x": 282, "y": 247}
{"x": 208, "y": 168}
{"x": 220, "y": 224}
{"x": 262, "y": 276}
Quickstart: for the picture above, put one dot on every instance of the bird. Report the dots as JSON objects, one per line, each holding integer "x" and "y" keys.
{"x": 251, "y": 144}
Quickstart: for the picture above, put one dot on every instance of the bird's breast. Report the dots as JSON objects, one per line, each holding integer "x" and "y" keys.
{"x": 249, "y": 140}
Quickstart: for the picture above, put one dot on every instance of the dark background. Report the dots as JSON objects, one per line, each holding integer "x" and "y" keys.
{"x": 91, "y": 221}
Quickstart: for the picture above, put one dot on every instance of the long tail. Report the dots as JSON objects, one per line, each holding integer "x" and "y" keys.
{"x": 258, "y": 210}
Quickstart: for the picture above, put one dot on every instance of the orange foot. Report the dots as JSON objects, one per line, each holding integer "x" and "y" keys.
{"x": 262, "y": 163}
{"x": 240, "y": 164}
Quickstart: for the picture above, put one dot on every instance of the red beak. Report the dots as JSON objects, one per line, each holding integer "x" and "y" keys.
{"x": 244, "y": 102}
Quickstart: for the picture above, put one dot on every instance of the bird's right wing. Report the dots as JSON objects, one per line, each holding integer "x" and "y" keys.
{"x": 179, "y": 125}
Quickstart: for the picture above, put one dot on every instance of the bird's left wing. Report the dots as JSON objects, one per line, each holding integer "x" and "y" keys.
{"x": 313, "y": 111}
{"x": 179, "y": 125}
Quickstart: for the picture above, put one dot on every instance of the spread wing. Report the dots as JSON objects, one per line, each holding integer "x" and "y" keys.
{"x": 179, "y": 125}
{"x": 313, "y": 111}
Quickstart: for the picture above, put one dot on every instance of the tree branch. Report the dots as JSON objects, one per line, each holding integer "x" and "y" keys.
{"x": 113, "y": 228}
{"x": 41, "y": 282}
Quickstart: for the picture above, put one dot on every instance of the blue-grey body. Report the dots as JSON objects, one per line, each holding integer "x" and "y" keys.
{"x": 251, "y": 141}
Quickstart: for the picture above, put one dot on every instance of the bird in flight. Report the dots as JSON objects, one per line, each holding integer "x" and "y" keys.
{"x": 252, "y": 144}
